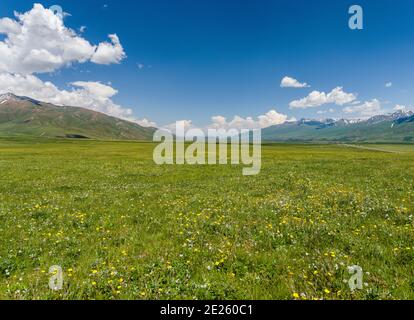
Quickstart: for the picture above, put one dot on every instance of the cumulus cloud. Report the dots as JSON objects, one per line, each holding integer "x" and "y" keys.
{"x": 96, "y": 88}
{"x": 268, "y": 119}
{"x": 272, "y": 118}
{"x": 9, "y": 26}
{"x": 366, "y": 109}
{"x": 388, "y": 85}
{"x": 38, "y": 41}
{"x": 187, "y": 124}
{"x": 91, "y": 95}
{"x": 316, "y": 99}
{"x": 263, "y": 121}
{"x": 108, "y": 53}
{"x": 288, "y": 82}
{"x": 146, "y": 123}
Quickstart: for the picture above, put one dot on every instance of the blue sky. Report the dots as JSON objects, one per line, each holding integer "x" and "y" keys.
{"x": 202, "y": 58}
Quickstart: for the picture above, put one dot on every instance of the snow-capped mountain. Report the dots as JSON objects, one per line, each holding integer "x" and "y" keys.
{"x": 396, "y": 127}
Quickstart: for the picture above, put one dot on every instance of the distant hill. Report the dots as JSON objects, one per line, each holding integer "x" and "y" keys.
{"x": 396, "y": 127}
{"x": 23, "y": 116}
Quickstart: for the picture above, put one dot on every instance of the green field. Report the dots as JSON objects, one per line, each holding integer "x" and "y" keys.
{"x": 122, "y": 227}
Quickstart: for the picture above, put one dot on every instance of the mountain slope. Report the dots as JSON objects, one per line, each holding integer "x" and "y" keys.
{"x": 396, "y": 127}
{"x": 22, "y": 116}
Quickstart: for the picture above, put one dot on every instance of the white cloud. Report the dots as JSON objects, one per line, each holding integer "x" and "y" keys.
{"x": 82, "y": 29}
{"x": 108, "y": 53}
{"x": 270, "y": 118}
{"x": 91, "y": 95}
{"x": 38, "y": 41}
{"x": 188, "y": 124}
{"x": 146, "y": 123}
{"x": 96, "y": 88}
{"x": 315, "y": 99}
{"x": 9, "y": 26}
{"x": 288, "y": 82}
{"x": 368, "y": 108}
{"x": 388, "y": 85}
{"x": 399, "y": 107}
{"x": 325, "y": 111}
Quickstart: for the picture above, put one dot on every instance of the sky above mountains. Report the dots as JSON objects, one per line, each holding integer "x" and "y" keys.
{"x": 213, "y": 63}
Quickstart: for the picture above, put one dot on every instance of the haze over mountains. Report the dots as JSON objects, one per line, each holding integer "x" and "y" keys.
{"x": 23, "y": 116}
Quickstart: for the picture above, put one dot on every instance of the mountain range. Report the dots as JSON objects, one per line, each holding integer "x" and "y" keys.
{"x": 23, "y": 116}
{"x": 395, "y": 127}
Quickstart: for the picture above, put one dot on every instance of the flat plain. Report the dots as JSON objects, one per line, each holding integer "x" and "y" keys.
{"x": 122, "y": 227}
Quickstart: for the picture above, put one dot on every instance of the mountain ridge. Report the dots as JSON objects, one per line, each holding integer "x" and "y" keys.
{"x": 24, "y": 116}
{"x": 393, "y": 127}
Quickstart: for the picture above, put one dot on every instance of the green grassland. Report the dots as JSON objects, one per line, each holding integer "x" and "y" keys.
{"x": 122, "y": 227}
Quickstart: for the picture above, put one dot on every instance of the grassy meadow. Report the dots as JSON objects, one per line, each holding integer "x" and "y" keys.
{"x": 122, "y": 227}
